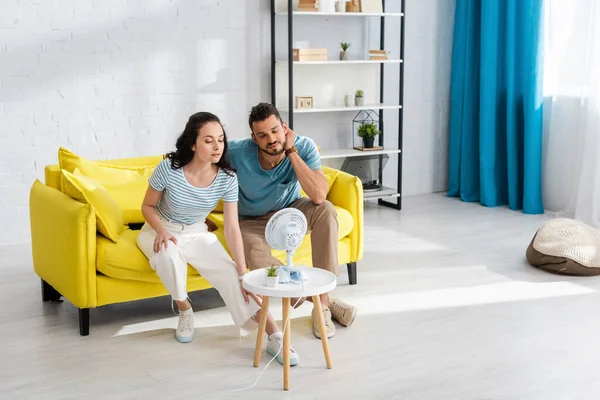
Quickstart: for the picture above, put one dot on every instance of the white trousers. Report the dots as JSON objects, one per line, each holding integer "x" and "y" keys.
{"x": 203, "y": 251}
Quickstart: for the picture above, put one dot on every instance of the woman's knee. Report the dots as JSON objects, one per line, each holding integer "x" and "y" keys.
{"x": 167, "y": 255}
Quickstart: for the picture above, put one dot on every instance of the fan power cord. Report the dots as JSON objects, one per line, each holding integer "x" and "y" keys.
{"x": 278, "y": 351}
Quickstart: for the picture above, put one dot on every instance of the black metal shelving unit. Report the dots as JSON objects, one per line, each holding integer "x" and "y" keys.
{"x": 397, "y": 204}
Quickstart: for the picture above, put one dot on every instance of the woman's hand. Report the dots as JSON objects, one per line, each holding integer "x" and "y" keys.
{"x": 163, "y": 237}
{"x": 248, "y": 294}
{"x": 245, "y": 293}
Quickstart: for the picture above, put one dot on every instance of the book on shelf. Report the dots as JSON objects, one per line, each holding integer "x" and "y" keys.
{"x": 378, "y": 55}
{"x": 309, "y": 54}
{"x": 308, "y": 5}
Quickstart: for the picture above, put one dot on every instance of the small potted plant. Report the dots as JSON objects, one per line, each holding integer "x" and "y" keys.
{"x": 344, "y": 53}
{"x": 272, "y": 278}
{"x": 359, "y": 100}
{"x": 368, "y": 132}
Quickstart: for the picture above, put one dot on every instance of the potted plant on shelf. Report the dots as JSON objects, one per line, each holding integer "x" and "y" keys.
{"x": 359, "y": 100}
{"x": 368, "y": 132}
{"x": 272, "y": 277}
{"x": 343, "y": 53}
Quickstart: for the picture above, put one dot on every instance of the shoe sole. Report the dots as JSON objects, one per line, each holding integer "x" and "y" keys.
{"x": 318, "y": 335}
{"x": 293, "y": 361}
{"x": 184, "y": 339}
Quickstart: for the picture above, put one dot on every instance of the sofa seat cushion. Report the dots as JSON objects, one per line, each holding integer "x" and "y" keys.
{"x": 345, "y": 222}
{"x": 124, "y": 260}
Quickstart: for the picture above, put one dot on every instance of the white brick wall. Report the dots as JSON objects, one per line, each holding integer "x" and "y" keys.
{"x": 119, "y": 78}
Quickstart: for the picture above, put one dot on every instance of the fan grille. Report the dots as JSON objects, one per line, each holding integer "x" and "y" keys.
{"x": 286, "y": 229}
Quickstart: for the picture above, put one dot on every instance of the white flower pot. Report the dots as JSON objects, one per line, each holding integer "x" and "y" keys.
{"x": 348, "y": 101}
{"x": 271, "y": 281}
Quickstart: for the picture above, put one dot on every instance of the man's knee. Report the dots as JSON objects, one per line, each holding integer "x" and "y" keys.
{"x": 253, "y": 242}
{"x": 326, "y": 211}
{"x": 256, "y": 250}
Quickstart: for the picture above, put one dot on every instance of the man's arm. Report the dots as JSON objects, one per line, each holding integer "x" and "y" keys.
{"x": 313, "y": 182}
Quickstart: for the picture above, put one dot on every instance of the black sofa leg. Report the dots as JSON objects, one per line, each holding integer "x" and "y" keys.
{"x": 352, "y": 273}
{"x": 84, "y": 321}
{"x": 49, "y": 293}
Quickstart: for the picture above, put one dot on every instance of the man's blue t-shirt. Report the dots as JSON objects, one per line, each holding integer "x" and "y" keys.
{"x": 261, "y": 190}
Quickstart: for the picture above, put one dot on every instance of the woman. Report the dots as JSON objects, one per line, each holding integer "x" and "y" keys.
{"x": 183, "y": 189}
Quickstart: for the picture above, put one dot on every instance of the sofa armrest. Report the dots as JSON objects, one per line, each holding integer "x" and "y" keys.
{"x": 347, "y": 192}
{"x": 63, "y": 243}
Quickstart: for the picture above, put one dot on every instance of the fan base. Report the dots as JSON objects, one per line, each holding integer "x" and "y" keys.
{"x": 292, "y": 274}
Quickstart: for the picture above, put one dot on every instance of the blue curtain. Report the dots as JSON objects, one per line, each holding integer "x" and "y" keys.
{"x": 496, "y": 104}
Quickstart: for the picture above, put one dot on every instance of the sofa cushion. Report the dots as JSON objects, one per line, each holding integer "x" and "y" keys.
{"x": 109, "y": 219}
{"x": 68, "y": 160}
{"x": 124, "y": 260}
{"x": 129, "y": 197}
{"x": 345, "y": 222}
{"x": 126, "y": 183}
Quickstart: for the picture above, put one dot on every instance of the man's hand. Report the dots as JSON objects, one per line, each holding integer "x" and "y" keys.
{"x": 210, "y": 225}
{"x": 290, "y": 137}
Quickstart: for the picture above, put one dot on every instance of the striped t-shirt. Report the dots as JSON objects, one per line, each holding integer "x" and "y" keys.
{"x": 184, "y": 203}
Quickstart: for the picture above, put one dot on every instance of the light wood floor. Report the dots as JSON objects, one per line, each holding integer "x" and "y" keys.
{"x": 448, "y": 309}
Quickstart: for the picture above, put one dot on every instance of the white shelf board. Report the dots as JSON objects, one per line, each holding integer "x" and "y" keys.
{"x": 384, "y": 192}
{"x": 338, "y": 109}
{"x": 341, "y": 153}
{"x": 333, "y": 62}
{"x": 342, "y": 14}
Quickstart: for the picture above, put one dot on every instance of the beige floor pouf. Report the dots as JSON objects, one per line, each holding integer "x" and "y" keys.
{"x": 566, "y": 246}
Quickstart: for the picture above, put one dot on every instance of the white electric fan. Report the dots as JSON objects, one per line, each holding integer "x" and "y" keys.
{"x": 285, "y": 231}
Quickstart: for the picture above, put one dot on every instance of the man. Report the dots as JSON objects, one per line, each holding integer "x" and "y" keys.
{"x": 272, "y": 166}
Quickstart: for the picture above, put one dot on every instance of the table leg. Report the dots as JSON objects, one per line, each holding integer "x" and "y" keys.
{"x": 286, "y": 343}
{"x": 264, "y": 311}
{"x": 324, "y": 341}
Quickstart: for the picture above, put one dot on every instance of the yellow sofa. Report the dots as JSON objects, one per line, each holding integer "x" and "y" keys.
{"x": 77, "y": 262}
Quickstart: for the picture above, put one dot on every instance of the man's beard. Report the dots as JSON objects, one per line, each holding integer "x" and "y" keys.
{"x": 274, "y": 152}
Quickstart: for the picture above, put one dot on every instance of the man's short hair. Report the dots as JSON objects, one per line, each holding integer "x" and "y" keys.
{"x": 262, "y": 111}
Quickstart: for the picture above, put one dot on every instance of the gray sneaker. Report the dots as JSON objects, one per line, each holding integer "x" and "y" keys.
{"x": 343, "y": 312}
{"x": 185, "y": 327}
{"x": 329, "y": 326}
{"x": 275, "y": 346}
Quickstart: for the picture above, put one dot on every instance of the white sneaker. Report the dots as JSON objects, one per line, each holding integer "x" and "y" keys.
{"x": 274, "y": 343}
{"x": 185, "y": 327}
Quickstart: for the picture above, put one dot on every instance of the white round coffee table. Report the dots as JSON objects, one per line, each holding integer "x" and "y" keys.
{"x": 319, "y": 281}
